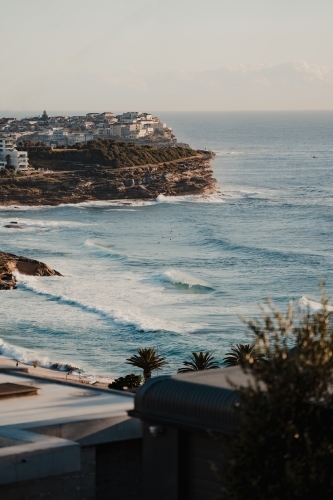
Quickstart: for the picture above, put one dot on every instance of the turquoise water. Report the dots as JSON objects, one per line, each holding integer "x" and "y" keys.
{"x": 175, "y": 273}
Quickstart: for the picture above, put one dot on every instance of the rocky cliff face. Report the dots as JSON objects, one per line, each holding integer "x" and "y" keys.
{"x": 10, "y": 263}
{"x": 181, "y": 177}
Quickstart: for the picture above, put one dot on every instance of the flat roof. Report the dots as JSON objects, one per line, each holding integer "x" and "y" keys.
{"x": 59, "y": 401}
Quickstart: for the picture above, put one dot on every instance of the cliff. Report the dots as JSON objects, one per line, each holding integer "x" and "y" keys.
{"x": 10, "y": 263}
{"x": 88, "y": 182}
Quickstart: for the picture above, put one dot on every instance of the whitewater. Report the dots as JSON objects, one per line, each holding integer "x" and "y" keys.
{"x": 175, "y": 273}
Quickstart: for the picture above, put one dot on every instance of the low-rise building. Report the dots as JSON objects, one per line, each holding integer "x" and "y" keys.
{"x": 9, "y": 156}
{"x": 66, "y": 441}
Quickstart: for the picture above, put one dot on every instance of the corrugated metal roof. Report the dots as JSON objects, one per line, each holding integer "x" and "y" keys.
{"x": 199, "y": 400}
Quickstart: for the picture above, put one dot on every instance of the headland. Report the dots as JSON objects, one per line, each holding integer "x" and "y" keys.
{"x": 99, "y": 156}
{"x": 123, "y": 171}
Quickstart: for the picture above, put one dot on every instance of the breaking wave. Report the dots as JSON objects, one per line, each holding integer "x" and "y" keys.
{"x": 29, "y": 358}
{"x": 185, "y": 281}
{"x": 202, "y": 198}
{"x": 117, "y": 317}
{"x": 106, "y": 248}
{"x": 314, "y": 306}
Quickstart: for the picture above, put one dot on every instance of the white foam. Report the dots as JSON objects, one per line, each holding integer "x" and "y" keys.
{"x": 184, "y": 279}
{"x": 314, "y": 306}
{"x": 132, "y": 318}
{"x": 30, "y": 225}
{"x": 109, "y": 203}
{"x": 16, "y": 208}
{"x": 29, "y": 357}
{"x": 202, "y": 198}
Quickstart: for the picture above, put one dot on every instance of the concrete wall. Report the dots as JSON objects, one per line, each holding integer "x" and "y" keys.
{"x": 119, "y": 470}
{"x": 108, "y": 471}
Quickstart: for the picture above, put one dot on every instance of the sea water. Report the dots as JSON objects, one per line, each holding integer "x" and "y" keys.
{"x": 176, "y": 273}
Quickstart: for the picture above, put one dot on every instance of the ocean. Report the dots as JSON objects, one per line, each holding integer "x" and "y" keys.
{"x": 176, "y": 273}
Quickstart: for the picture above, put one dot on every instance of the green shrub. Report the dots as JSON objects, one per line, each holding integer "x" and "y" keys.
{"x": 283, "y": 448}
{"x": 130, "y": 381}
{"x": 108, "y": 152}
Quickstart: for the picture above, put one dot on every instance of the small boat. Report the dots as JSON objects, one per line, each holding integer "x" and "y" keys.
{"x": 315, "y": 157}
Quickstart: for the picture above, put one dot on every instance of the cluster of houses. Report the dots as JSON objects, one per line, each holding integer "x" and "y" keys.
{"x": 69, "y": 130}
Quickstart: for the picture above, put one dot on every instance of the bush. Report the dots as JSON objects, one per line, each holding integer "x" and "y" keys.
{"x": 130, "y": 381}
{"x": 284, "y": 446}
{"x": 107, "y": 152}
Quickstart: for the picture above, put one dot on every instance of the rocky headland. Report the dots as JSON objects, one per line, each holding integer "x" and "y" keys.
{"x": 10, "y": 263}
{"x": 56, "y": 180}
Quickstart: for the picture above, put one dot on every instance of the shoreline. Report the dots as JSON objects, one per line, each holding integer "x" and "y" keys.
{"x": 57, "y": 375}
{"x": 181, "y": 177}
{"x": 116, "y": 201}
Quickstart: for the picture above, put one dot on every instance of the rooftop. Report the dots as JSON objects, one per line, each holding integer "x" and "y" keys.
{"x": 59, "y": 401}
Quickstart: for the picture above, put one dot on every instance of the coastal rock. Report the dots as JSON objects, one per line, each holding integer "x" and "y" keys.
{"x": 10, "y": 263}
{"x": 13, "y": 226}
{"x": 143, "y": 191}
{"x": 185, "y": 176}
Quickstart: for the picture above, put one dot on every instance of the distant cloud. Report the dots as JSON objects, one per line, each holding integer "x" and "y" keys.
{"x": 291, "y": 85}
{"x": 309, "y": 71}
{"x": 263, "y": 86}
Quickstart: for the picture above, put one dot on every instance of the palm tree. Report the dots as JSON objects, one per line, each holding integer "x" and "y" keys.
{"x": 199, "y": 361}
{"x": 148, "y": 360}
{"x": 242, "y": 354}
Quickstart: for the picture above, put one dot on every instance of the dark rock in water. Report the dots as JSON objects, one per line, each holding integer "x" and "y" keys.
{"x": 13, "y": 222}
{"x": 13, "y": 225}
{"x": 10, "y": 263}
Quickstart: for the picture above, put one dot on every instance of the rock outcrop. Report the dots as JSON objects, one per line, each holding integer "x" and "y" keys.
{"x": 180, "y": 177}
{"x": 10, "y": 263}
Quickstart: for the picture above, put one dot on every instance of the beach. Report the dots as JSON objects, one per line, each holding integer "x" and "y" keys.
{"x": 57, "y": 375}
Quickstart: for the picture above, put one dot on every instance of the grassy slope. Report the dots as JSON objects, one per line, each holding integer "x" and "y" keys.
{"x": 111, "y": 153}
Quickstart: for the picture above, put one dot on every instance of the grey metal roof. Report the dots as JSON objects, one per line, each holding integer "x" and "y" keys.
{"x": 199, "y": 400}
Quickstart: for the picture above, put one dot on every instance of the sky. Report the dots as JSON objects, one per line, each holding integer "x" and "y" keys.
{"x": 170, "y": 55}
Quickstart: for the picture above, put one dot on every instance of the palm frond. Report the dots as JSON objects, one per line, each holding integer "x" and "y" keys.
{"x": 199, "y": 361}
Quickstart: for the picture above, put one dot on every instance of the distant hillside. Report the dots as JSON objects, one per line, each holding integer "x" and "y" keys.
{"x": 108, "y": 153}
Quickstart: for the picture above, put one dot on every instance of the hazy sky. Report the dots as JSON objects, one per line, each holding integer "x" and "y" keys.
{"x": 166, "y": 54}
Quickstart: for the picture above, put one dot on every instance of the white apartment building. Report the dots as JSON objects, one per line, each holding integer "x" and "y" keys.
{"x": 114, "y": 130}
{"x": 9, "y": 156}
{"x": 79, "y": 137}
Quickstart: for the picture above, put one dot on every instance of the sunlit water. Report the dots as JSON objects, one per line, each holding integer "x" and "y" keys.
{"x": 175, "y": 273}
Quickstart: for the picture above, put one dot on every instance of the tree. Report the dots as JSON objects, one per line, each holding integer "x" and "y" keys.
{"x": 239, "y": 355}
{"x": 283, "y": 448}
{"x": 148, "y": 360}
{"x": 130, "y": 381}
{"x": 45, "y": 117}
{"x": 199, "y": 361}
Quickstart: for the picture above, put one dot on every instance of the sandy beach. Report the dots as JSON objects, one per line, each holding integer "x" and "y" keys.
{"x": 58, "y": 375}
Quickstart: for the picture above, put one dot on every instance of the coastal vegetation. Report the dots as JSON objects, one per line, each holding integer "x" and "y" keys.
{"x": 130, "y": 381}
{"x": 284, "y": 446}
{"x": 241, "y": 354}
{"x": 107, "y": 153}
{"x": 148, "y": 360}
{"x": 199, "y": 361}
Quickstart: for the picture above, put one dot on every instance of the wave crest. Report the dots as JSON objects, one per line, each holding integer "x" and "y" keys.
{"x": 314, "y": 306}
{"x": 185, "y": 281}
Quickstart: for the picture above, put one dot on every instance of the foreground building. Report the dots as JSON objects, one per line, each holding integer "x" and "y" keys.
{"x": 9, "y": 156}
{"x": 183, "y": 416}
{"x": 66, "y": 441}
